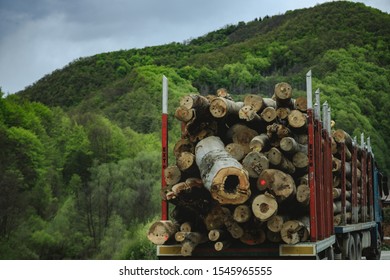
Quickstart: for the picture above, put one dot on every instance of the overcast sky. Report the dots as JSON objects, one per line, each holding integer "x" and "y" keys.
{"x": 39, "y": 36}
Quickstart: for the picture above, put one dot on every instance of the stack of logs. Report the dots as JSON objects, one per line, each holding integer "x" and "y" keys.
{"x": 240, "y": 172}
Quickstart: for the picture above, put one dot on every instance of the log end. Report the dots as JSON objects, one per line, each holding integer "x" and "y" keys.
{"x": 218, "y": 108}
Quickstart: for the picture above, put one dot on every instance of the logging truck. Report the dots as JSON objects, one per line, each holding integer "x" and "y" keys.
{"x": 267, "y": 178}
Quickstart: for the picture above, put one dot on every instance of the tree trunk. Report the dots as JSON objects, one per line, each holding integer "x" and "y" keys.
{"x": 193, "y": 101}
{"x": 300, "y": 160}
{"x": 236, "y": 150}
{"x": 186, "y": 162}
{"x": 283, "y": 94}
{"x": 255, "y": 163}
{"x": 283, "y": 113}
{"x": 282, "y": 185}
{"x": 289, "y": 145}
{"x": 249, "y": 114}
{"x": 241, "y": 134}
{"x": 242, "y": 213}
{"x": 303, "y": 194}
{"x": 221, "y": 174}
{"x": 260, "y": 143}
{"x": 221, "y": 107}
{"x": 183, "y": 145}
{"x": 293, "y": 231}
{"x": 264, "y": 206}
{"x": 340, "y": 136}
{"x": 301, "y": 103}
{"x": 161, "y": 231}
{"x": 254, "y": 101}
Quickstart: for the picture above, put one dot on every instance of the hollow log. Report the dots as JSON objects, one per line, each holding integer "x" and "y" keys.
{"x": 264, "y": 206}
{"x": 236, "y": 150}
{"x": 183, "y": 114}
{"x": 303, "y": 194}
{"x": 221, "y": 107}
{"x": 260, "y": 143}
{"x": 301, "y": 103}
{"x": 269, "y": 114}
{"x": 283, "y": 95}
{"x": 172, "y": 175}
{"x": 193, "y": 101}
{"x": 275, "y": 223}
{"x": 161, "y": 231}
{"x": 222, "y": 175}
{"x": 293, "y": 231}
{"x": 282, "y": 185}
{"x": 255, "y": 163}
{"x": 297, "y": 119}
{"x": 242, "y": 213}
{"x": 277, "y": 159}
{"x": 289, "y": 145}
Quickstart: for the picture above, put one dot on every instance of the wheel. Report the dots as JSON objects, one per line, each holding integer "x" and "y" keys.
{"x": 330, "y": 253}
{"x": 349, "y": 248}
{"x": 358, "y": 246}
{"x": 375, "y": 253}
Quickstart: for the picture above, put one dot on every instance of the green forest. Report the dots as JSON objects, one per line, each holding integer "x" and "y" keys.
{"x": 80, "y": 157}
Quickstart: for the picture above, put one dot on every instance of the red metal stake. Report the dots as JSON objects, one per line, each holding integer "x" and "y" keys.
{"x": 164, "y": 145}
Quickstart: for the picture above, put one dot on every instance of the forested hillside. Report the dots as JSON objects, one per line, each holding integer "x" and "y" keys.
{"x": 80, "y": 162}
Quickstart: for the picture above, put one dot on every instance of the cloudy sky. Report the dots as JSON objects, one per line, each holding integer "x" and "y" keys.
{"x": 39, "y": 36}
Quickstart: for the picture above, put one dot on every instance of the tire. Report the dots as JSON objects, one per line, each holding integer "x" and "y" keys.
{"x": 375, "y": 253}
{"x": 358, "y": 246}
{"x": 350, "y": 248}
{"x": 330, "y": 253}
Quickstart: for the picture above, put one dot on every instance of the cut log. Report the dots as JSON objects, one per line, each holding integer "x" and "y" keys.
{"x": 283, "y": 113}
{"x": 336, "y": 165}
{"x": 215, "y": 219}
{"x": 186, "y": 227}
{"x": 180, "y": 236}
{"x": 222, "y": 245}
{"x": 186, "y": 162}
{"x": 236, "y": 150}
{"x": 222, "y": 175}
{"x": 255, "y": 163}
{"x": 278, "y": 131}
{"x": 183, "y": 145}
{"x": 340, "y": 136}
{"x": 300, "y": 160}
{"x": 254, "y": 101}
{"x": 269, "y": 114}
{"x": 302, "y": 139}
{"x": 253, "y": 237}
{"x": 249, "y": 114}
{"x": 289, "y": 145}
{"x": 222, "y": 92}
{"x": 337, "y": 219}
{"x": 216, "y": 234}
{"x": 283, "y": 95}
{"x": 275, "y": 223}
{"x": 172, "y": 175}
{"x": 301, "y": 103}
{"x": 241, "y": 134}
{"x": 192, "y": 101}
{"x": 161, "y": 231}
{"x": 293, "y": 231}
{"x": 277, "y": 159}
{"x": 221, "y": 107}
{"x": 282, "y": 185}
{"x": 337, "y": 206}
{"x": 304, "y": 180}
{"x": 242, "y": 213}
{"x": 264, "y": 206}
{"x": 183, "y": 114}
{"x": 260, "y": 143}
{"x": 192, "y": 239}
{"x": 303, "y": 194}
{"x": 337, "y": 194}
{"x": 297, "y": 119}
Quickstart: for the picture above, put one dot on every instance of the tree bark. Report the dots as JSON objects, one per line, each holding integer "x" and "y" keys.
{"x": 255, "y": 163}
{"x": 161, "y": 231}
{"x": 221, "y": 174}
{"x": 264, "y": 206}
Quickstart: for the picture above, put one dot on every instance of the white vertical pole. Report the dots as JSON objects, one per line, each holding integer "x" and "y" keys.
{"x": 309, "y": 91}
{"x": 165, "y": 96}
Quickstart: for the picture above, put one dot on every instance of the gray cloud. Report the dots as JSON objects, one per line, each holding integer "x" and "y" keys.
{"x": 37, "y": 37}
